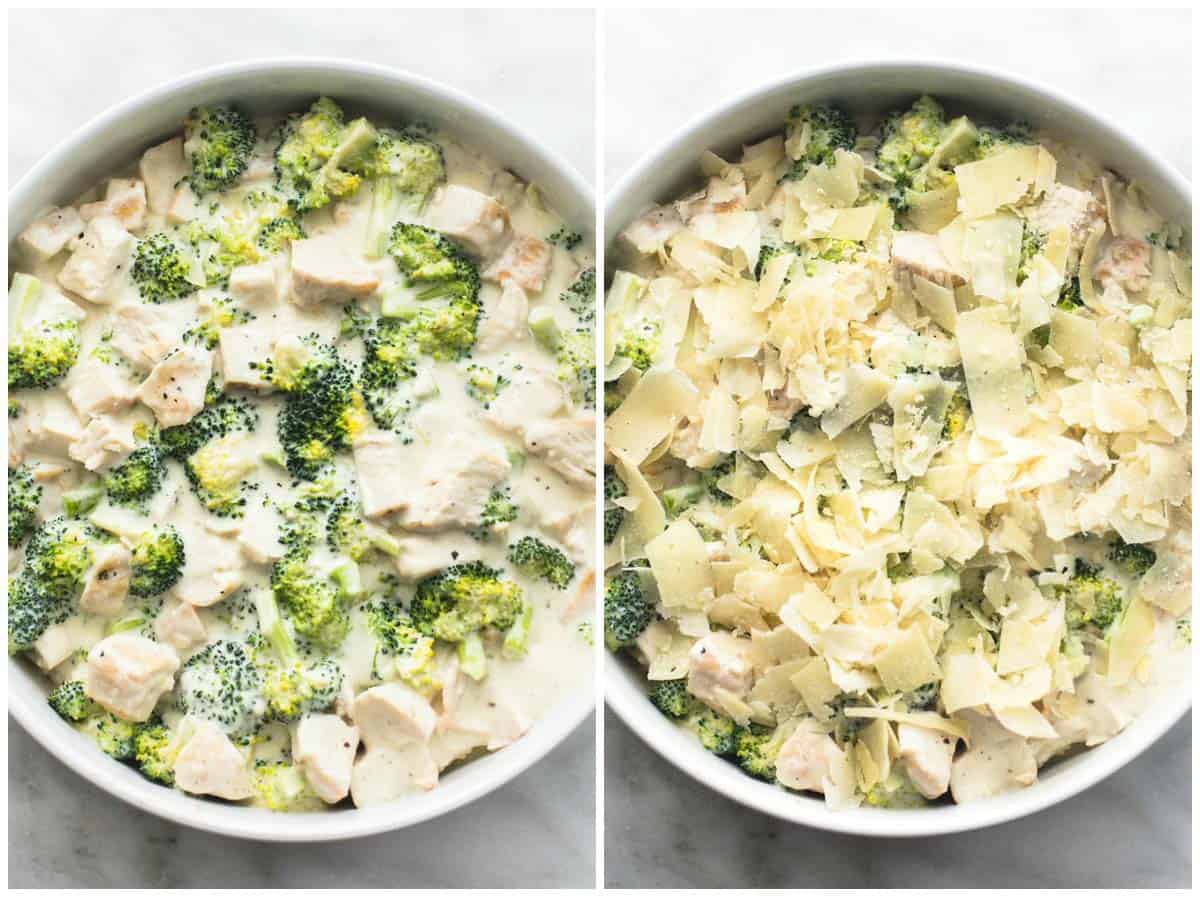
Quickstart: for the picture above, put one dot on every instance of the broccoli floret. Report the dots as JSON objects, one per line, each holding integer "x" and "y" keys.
{"x": 677, "y": 500}
{"x": 1069, "y": 297}
{"x": 218, "y": 141}
{"x": 672, "y": 698}
{"x": 136, "y": 479}
{"x": 640, "y": 343}
{"x": 910, "y": 138}
{"x": 484, "y": 384}
{"x": 24, "y": 496}
{"x": 157, "y": 562}
{"x": 958, "y": 412}
{"x": 57, "y": 556}
{"x": 627, "y": 613}
{"x": 116, "y": 737}
{"x": 614, "y": 516}
{"x": 540, "y": 560}
{"x": 828, "y": 129}
{"x": 322, "y": 411}
{"x": 154, "y": 752}
{"x": 580, "y": 296}
{"x": 222, "y": 683}
{"x": 278, "y": 233}
{"x": 715, "y": 732}
{"x": 316, "y": 608}
{"x": 71, "y": 702}
{"x": 1092, "y": 599}
{"x": 405, "y": 167}
{"x": 1033, "y": 241}
{"x": 399, "y": 644}
{"x": 216, "y": 471}
{"x": 574, "y": 352}
{"x": 497, "y": 510}
{"x": 896, "y": 793}
{"x": 160, "y": 270}
{"x": 350, "y": 535}
{"x": 1134, "y": 560}
{"x": 433, "y": 266}
{"x": 43, "y": 335}
{"x": 315, "y": 153}
{"x": 218, "y": 418}
{"x": 464, "y": 599}
{"x": 756, "y": 750}
{"x": 712, "y": 477}
{"x": 293, "y": 691}
{"x": 80, "y": 501}
{"x": 993, "y": 140}
{"x": 566, "y": 238}
{"x": 282, "y": 787}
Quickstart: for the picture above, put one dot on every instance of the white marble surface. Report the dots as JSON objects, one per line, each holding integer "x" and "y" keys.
{"x": 538, "y": 830}
{"x": 662, "y": 829}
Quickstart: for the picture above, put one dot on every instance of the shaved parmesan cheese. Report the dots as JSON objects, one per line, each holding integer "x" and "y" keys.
{"x": 865, "y": 390}
{"x": 907, "y": 663}
{"x": 735, "y": 328}
{"x": 681, "y": 566}
{"x": 992, "y": 249}
{"x": 1004, "y": 179}
{"x": 992, "y": 359}
{"x": 649, "y": 414}
{"x": 1133, "y": 634}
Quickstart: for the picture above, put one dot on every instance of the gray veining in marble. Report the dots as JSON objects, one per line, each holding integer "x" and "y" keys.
{"x": 662, "y": 828}
{"x": 537, "y": 831}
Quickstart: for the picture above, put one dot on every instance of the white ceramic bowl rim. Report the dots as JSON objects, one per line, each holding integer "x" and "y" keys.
{"x": 623, "y": 685}
{"x": 460, "y": 786}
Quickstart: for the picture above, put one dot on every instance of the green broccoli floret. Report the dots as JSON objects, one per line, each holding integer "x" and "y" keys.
{"x": 216, "y": 472}
{"x": 715, "y": 732}
{"x": 71, "y": 702}
{"x": 116, "y": 737}
{"x": 220, "y": 246}
{"x": 614, "y": 516}
{"x": 293, "y": 691}
{"x": 222, "y": 683}
{"x": 993, "y": 140}
{"x": 1134, "y": 560}
{"x": 218, "y": 418}
{"x": 24, "y": 497}
{"x": 400, "y": 644}
{"x": 1069, "y": 297}
{"x": 828, "y": 129}
{"x": 157, "y": 562}
{"x": 678, "y": 499}
{"x": 278, "y": 233}
{"x": 405, "y": 167}
{"x": 283, "y": 787}
{"x": 627, "y": 613}
{"x": 896, "y": 793}
{"x": 566, "y": 238}
{"x": 322, "y": 411}
{"x": 315, "y": 154}
{"x": 1033, "y": 241}
{"x": 672, "y": 698}
{"x": 434, "y": 266}
{"x": 154, "y": 752}
{"x": 640, "y": 343}
{"x": 756, "y": 750}
{"x": 350, "y": 535}
{"x": 136, "y": 479}
{"x": 57, "y": 556}
{"x": 79, "y": 502}
{"x": 1092, "y": 599}
{"x": 497, "y": 510}
{"x": 218, "y": 141}
{"x": 958, "y": 412}
{"x": 580, "y": 296}
{"x": 712, "y": 476}
{"x": 464, "y": 599}
{"x": 316, "y": 608}
{"x": 484, "y": 384}
{"x": 540, "y": 560}
{"x": 160, "y": 270}
{"x": 574, "y": 352}
{"x": 43, "y": 335}
{"x": 909, "y": 139}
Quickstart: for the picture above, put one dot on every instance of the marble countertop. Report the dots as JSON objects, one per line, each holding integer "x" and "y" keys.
{"x": 663, "y": 829}
{"x": 538, "y": 830}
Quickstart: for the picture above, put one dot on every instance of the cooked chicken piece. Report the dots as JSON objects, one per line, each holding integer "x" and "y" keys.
{"x": 127, "y": 674}
{"x": 210, "y": 764}
{"x": 505, "y": 321}
{"x": 567, "y": 527}
{"x": 484, "y": 709}
{"x": 453, "y": 487}
{"x": 1076, "y": 211}
{"x": 718, "y": 196}
{"x": 243, "y": 349}
{"x": 525, "y": 262}
{"x": 103, "y": 442}
{"x": 393, "y": 715}
{"x": 124, "y": 199}
{"x": 213, "y": 571}
{"x": 385, "y": 774}
{"x": 100, "y": 262}
{"x": 47, "y": 425}
{"x": 257, "y": 285}
{"x": 97, "y": 388}
{"x": 532, "y": 396}
{"x": 143, "y": 333}
{"x": 650, "y": 233}
{"x": 259, "y": 534}
{"x": 174, "y": 391}
{"x": 180, "y": 627}
{"x": 720, "y": 664}
{"x": 927, "y": 756}
{"x": 1126, "y": 262}
{"x": 59, "y": 643}
{"x": 324, "y": 747}
{"x": 996, "y": 761}
{"x": 161, "y": 168}
{"x": 107, "y": 581}
{"x": 566, "y": 444}
{"x": 686, "y": 445}
{"x": 322, "y": 271}
{"x": 50, "y": 234}
{"x": 184, "y": 207}
{"x": 922, "y": 254}
{"x": 420, "y": 554}
{"x": 806, "y": 759}
{"x": 473, "y": 218}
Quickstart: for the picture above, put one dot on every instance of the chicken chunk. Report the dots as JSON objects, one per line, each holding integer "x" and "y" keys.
{"x": 175, "y": 389}
{"x": 161, "y": 168}
{"x": 1076, "y": 211}
{"x": 103, "y": 442}
{"x": 259, "y": 535}
{"x": 242, "y": 352}
{"x": 50, "y": 234}
{"x": 54, "y": 646}
{"x": 532, "y": 396}
{"x": 1126, "y": 262}
{"x": 324, "y": 747}
{"x": 180, "y": 627}
{"x": 505, "y": 320}
{"x": 566, "y": 444}
{"x": 107, "y": 581}
{"x": 927, "y": 756}
{"x": 806, "y": 760}
{"x": 649, "y": 234}
{"x": 210, "y": 764}
{"x": 322, "y": 271}
{"x": 525, "y": 262}
{"x": 124, "y": 199}
{"x": 384, "y": 774}
{"x": 421, "y": 554}
{"x": 922, "y": 254}
{"x": 100, "y": 262}
{"x": 996, "y": 761}
{"x": 718, "y": 196}
{"x": 97, "y": 388}
{"x": 47, "y": 424}
{"x": 256, "y": 285}
{"x": 393, "y": 715}
{"x": 475, "y": 219}
{"x": 144, "y": 334}
{"x": 212, "y": 578}
{"x": 184, "y": 207}
{"x": 127, "y": 674}
{"x": 719, "y": 665}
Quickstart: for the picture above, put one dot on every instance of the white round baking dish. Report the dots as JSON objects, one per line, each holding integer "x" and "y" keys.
{"x": 117, "y": 138}
{"x": 875, "y": 87}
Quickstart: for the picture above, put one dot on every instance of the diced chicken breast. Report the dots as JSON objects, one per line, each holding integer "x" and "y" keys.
{"x": 531, "y": 397}
{"x": 180, "y": 627}
{"x": 259, "y": 534}
{"x": 421, "y": 554}
{"x": 103, "y": 442}
{"x": 1076, "y": 211}
{"x": 385, "y": 774}
{"x": 1126, "y": 262}
{"x": 257, "y": 285}
{"x": 127, "y": 674}
{"x": 650, "y": 233}
{"x": 927, "y": 756}
{"x": 806, "y": 760}
{"x": 718, "y": 196}
{"x": 50, "y": 234}
{"x": 243, "y": 350}
{"x": 453, "y": 487}
{"x": 54, "y": 646}
{"x": 161, "y": 168}
{"x": 48, "y": 425}
{"x": 210, "y": 764}
{"x": 107, "y": 581}
{"x": 100, "y": 262}
{"x": 324, "y": 747}
{"x": 566, "y": 444}
{"x": 322, "y": 271}
{"x": 488, "y": 710}
{"x": 525, "y": 262}
{"x": 184, "y": 206}
{"x": 473, "y": 218}
{"x": 124, "y": 199}
{"x": 174, "y": 391}
{"x": 393, "y": 715}
{"x": 720, "y": 664}
{"x": 922, "y": 254}
{"x": 505, "y": 320}
{"x": 996, "y": 761}
{"x": 98, "y": 388}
